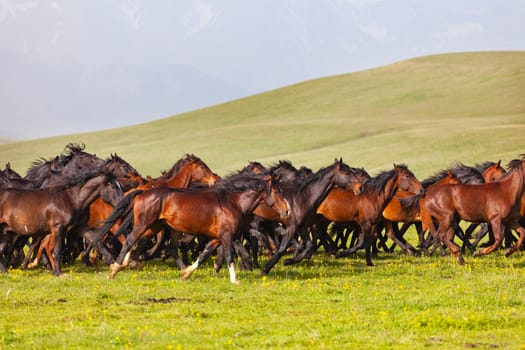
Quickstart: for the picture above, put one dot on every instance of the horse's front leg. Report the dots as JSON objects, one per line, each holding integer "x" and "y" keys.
{"x": 57, "y": 235}
{"x": 287, "y": 238}
{"x": 226, "y": 242}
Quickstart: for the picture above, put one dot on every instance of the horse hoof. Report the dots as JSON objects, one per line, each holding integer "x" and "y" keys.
{"x": 508, "y": 252}
{"x": 236, "y": 282}
{"x": 186, "y": 275}
{"x": 288, "y": 262}
{"x": 136, "y": 265}
{"x": 476, "y": 253}
{"x": 461, "y": 261}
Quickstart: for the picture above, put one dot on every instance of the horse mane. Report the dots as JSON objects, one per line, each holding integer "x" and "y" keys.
{"x": 78, "y": 178}
{"x": 115, "y": 158}
{"x": 467, "y": 174}
{"x": 515, "y": 163}
{"x": 434, "y": 178}
{"x": 481, "y": 167}
{"x": 379, "y": 182}
{"x": 284, "y": 164}
{"x": 248, "y": 169}
{"x": 302, "y": 182}
{"x": 239, "y": 183}
{"x": 176, "y": 168}
{"x": 73, "y": 148}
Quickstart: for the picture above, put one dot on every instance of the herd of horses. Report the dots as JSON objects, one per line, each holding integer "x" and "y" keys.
{"x": 79, "y": 206}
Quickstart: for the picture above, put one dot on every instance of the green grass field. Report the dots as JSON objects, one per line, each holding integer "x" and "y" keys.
{"x": 427, "y": 112}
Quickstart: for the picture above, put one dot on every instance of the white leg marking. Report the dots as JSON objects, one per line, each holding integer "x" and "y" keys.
{"x": 233, "y": 275}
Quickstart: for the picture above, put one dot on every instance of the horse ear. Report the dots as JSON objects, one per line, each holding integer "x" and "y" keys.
{"x": 499, "y": 163}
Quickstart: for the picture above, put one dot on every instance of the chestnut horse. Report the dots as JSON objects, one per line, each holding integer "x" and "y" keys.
{"x": 215, "y": 212}
{"x": 398, "y": 211}
{"x": 497, "y": 203}
{"x": 366, "y": 209}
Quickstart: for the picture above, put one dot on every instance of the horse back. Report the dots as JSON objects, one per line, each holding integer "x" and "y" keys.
{"x": 339, "y": 205}
{"x": 35, "y": 211}
{"x": 191, "y": 212}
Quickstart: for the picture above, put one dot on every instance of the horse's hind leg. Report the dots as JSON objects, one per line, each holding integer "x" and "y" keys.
{"x": 448, "y": 239}
{"x": 498, "y": 229}
{"x": 521, "y": 231}
{"x": 210, "y": 247}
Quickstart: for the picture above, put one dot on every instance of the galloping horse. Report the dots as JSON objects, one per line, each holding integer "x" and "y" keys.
{"x": 127, "y": 177}
{"x": 411, "y": 209}
{"x": 184, "y": 173}
{"x": 497, "y": 203}
{"x": 215, "y": 212}
{"x": 187, "y": 171}
{"x": 398, "y": 210}
{"x": 367, "y": 208}
{"x": 305, "y": 196}
{"x": 53, "y": 210}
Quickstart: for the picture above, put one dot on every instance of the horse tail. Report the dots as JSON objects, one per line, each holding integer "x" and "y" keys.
{"x": 411, "y": 203}
{"x": 123, "y": 208}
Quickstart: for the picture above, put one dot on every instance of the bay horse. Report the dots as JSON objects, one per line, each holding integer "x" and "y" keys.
{"x": 183, "y": 172}
{"x": 304, "y": 196}
{"x": 497, "y": 203}
{"x": 397, "y": 210}
{"x": 410, "y": 209}
{"x": 480, "y": 173}
{"x": 127, "y": 177}
{"x": 366, "y": 209}
{"x": 53, "y": 210}
{"x": 188, "y": 171}
{"x": 215, "y": 212}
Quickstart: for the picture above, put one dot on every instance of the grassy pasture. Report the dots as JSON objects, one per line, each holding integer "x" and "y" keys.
{"x": 427, "y": 112}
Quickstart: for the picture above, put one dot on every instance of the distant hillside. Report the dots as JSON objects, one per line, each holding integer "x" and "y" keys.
{"x": 36, "y": 94}
{"x": 427, "y": 112}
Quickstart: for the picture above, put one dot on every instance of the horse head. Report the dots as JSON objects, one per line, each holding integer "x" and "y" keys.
{"x": 407, "y": 180}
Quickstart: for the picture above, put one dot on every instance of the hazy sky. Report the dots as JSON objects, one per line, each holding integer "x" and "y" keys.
{"x": 252, "y": 45}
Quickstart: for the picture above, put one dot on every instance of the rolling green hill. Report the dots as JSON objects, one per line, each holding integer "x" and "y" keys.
{"x": 426, "y": 112}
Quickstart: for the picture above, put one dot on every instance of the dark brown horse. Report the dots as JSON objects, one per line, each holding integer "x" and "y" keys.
{"x": 53, "y": 210}
{"x": 304, "y": 197}
{"x": 127, "y": 177}
{"x": 367, "y": 208}
{"x": 497, "y": 203}
{"x": 215, "y": 212}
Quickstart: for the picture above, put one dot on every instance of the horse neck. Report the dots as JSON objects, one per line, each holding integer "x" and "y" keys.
{"x": 314, "y": 192}
{"x": 389, "y": 190}
{"x": 247, "y": 200}
{"x": 180, "y": 180}
{"x": 87, "y": 193}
